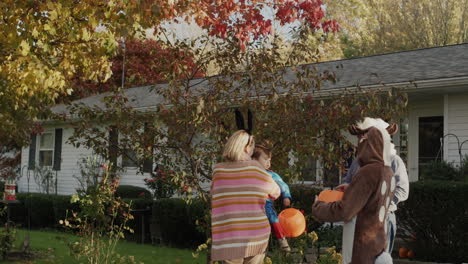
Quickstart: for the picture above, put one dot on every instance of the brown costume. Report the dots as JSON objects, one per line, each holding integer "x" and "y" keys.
{"x": 367, "y": 197}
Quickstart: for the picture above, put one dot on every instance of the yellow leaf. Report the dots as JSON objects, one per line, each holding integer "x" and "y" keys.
{"x": 53, "y": 14}
{"x": 24, "y": 48}
{"x": 35, "y": 33}
{"x": 86, "y": 36}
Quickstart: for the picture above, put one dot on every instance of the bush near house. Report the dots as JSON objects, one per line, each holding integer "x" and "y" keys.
{"x": 434, "y": 220}
{"x": 133, "y": 192}
{"x": 174, "y": 222}
{"x": 443, "y": 170}
{"x": 173, "y": 218}
{"x": 303, "y": 197}
{"x": 141, "y": 210}
{"x": 47, "y": 209}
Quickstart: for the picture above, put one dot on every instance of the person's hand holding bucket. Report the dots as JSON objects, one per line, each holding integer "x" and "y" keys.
{"x": 330, "y": 196}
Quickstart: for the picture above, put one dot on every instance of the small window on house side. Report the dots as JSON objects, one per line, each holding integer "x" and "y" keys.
{"x": 129, "y": 159}
{"x": 46, "y": 149}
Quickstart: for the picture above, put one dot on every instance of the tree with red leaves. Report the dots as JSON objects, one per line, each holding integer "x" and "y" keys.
{"x": 49, "y": 44}
{"x": 143, "y": 62}
{"x": 243, "y": 20}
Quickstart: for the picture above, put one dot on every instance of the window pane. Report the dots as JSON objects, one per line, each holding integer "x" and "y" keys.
{"x": 403, "y": 145}
{"x": 309, "y": 170}
{"x": 129, "y": 159}
{"x": 431, "y": 130}
{"x": 47, "y": 141}
{"x": 45, "y": 158}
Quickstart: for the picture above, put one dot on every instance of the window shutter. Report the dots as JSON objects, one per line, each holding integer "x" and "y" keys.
{"x": 58, "y": 149}
{"x": 113, "y": 146}
{"x": 32, "y": 153}
{"x": 148, "y": 163}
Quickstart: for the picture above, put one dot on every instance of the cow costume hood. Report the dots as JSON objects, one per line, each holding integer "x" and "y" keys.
{"x": 385, "y": 130}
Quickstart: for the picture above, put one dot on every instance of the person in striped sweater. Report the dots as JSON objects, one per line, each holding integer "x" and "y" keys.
{"x": 239, "y": 190}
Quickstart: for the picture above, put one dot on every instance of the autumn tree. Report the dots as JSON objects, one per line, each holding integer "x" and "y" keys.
{"x": 45, "y": 44}
{"x": 377, "y": 26}
{"x": 142, "y": 62}
{"x": 194, "y": 117}
{"x": 48, "y": 46}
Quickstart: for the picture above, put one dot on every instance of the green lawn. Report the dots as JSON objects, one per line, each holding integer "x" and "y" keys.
{"x": 54, "y": 247}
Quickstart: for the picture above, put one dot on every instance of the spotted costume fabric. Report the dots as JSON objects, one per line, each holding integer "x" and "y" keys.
{"x": 365, "y": 203}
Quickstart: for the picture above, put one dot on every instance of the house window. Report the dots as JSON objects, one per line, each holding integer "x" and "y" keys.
{"x": 402, "y": 145}
{"x": 331, "y": 176}
{"x": 431, "y": 130}
{"x": 309, "y": 171}
{"x": 46, "y": 149}
{"x": 129, "y": 158}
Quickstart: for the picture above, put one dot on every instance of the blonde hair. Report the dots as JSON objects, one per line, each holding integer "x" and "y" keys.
{"x": 234, "y": 148}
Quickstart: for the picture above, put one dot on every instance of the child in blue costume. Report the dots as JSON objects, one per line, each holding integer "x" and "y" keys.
{"x": 263, "y": 155}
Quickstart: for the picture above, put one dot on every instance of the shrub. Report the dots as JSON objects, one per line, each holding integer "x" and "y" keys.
{"x": 436, "y": 217}
{"x": 7, "y": 235}
{"x": 160, "y": 184}
{"x": 464, "y": 169}
{"x": 45, "y": 209}
{"x": 141, "y": 211}
{"x": 175, "y": 221}
{"x": 440, "y": 170}
{"x": 100, "y": 223}
{"x": 303, "y": 197}
{"x": 48, "y": 209}
{"x": 132, "y": 192}
{"x": 330, "y": 236}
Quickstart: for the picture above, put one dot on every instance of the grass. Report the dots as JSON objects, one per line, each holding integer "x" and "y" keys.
{"x": 53, "y": 247}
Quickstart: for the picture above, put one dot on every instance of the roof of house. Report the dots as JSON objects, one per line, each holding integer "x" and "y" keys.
{"x": 398, "y": 67}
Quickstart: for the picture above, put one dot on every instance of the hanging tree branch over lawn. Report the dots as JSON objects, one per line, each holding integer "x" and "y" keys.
{"x": 188, "y": 129}
{"x": 45, "y": 44}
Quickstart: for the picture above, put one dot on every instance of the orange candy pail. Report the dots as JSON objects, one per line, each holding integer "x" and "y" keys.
{"x": 330, "y": 196}
{"x": 292, "y": 221}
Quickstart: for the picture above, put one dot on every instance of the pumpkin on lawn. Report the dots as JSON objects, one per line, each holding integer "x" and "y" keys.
{"x": 403, "y": 252}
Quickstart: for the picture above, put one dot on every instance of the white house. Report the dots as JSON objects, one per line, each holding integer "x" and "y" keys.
{"x": 438, "y": 106}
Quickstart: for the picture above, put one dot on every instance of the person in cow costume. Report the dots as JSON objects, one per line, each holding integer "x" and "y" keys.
{"x": 366, "y": 201}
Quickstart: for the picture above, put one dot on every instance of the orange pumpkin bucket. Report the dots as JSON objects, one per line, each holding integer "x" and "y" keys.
{"x": 292, "y": 221}
{"x": 330, "y": 196}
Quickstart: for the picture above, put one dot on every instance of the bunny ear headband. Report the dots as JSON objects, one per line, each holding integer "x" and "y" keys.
{"x": 241, "y": 123}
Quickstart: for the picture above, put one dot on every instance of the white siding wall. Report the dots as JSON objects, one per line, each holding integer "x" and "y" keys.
{"x": 457, "y": 122}
{"x": 130, "y": 177}
{"x": 66, "y": 183}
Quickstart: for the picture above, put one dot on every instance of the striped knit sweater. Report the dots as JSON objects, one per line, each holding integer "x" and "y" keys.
{"x": 239, "y": 224}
